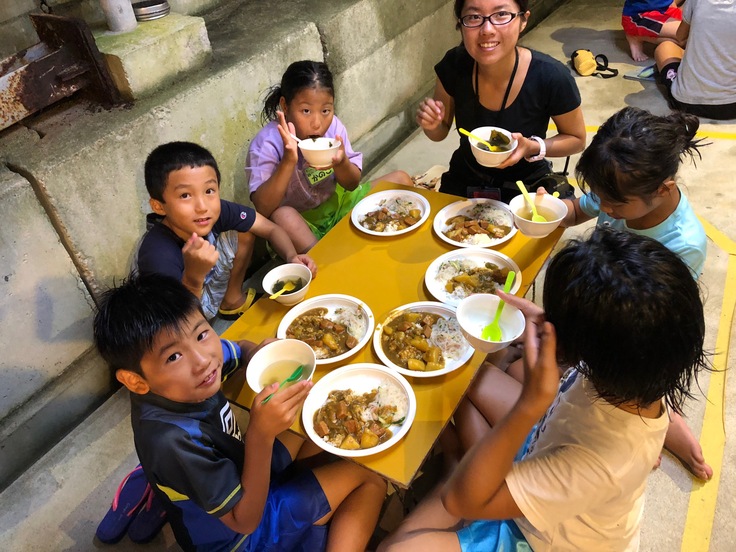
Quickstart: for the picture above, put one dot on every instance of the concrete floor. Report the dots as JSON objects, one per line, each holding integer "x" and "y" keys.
{"x": 58, "y": 502}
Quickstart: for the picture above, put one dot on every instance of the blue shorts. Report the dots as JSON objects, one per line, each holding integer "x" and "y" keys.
{"x": 295, "y": 502}
{"x": 486, "y": 535}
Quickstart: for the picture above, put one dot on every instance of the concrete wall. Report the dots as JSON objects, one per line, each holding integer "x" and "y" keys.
{"x": 71, "y": 179}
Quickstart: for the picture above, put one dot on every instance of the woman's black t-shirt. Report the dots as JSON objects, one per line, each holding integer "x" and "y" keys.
{"x": 548, "y": 90}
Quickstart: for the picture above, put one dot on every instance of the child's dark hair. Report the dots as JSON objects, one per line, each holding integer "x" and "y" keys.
{"x": 628, "y": 313}
{"x": 131, "y": 316}
{"x": 460, "y": 4}
{"x": 634, "y": 153}
{"x": 298, "y": 76}
{"x": 172, "y": 157}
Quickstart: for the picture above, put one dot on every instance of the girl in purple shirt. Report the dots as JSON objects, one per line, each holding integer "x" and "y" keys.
{"x": 305, "y": 201}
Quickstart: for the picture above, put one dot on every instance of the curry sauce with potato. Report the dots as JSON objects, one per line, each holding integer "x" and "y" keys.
{"x": 406, "y": 342}
{"x": 351, "y": 422}
{"x": 326, "y": 337}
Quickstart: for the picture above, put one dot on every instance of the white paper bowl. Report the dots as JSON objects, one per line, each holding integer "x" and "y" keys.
{"x": 319, "y": 151}
{"x": 490, "y": 158}
{"x": 549, "y": 204}
{"x": 287, "y": 271}
{"x": 477, "y": 311}
{"x": 283, "y": 349}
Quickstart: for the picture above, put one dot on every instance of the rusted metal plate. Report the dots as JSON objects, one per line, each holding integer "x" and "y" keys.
{"x": 65, "y": 61}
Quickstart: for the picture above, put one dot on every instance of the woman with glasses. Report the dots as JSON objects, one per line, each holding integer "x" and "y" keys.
{"x": 489, "y": 80}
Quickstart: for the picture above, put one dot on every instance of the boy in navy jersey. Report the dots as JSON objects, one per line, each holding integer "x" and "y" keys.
{"x": 223, "y": 489}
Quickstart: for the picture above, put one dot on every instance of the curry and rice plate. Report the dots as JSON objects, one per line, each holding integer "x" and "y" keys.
{"x": 479, "y": 225}
{"x": 422, "y": 341}
{"x": 460, "y": 278}
{"x": 392, "y": 215}
{"x": 352, "y": 421}
{"x": 329, "y": 336}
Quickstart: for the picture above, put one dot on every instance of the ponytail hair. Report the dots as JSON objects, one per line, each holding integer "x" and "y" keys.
{"x": 298, "y": 76}
{"x": 634, "y": 152}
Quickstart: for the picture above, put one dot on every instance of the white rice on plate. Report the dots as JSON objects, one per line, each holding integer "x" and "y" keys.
{"x": 446, "y": 335}
{"x": 450, "y": 269}
{"x": 391, "y": 394}
{"x": 353, "y": 319}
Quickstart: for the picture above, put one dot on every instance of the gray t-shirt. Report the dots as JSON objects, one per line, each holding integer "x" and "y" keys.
{"x": 707, "y": 74}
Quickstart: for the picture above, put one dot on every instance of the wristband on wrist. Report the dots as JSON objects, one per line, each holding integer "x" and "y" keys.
{"x": 542, "y": 150}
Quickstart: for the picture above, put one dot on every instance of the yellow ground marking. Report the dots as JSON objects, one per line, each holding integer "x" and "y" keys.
{"x": 702, "y": 507}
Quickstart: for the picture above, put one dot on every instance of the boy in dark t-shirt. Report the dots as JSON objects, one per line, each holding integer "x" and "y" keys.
{"x": 223, "y": 490}
{"x": 198, "y": 238}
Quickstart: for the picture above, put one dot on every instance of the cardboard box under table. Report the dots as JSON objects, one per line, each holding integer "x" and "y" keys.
{"x": 385, "y": 273}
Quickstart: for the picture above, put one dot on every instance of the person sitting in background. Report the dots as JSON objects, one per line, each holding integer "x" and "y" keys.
{"x": 701, "y": 79}
{"x": 489, "y": 80}
{"x": 650, "y": 21}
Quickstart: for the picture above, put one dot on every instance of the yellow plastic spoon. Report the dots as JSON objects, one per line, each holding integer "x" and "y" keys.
{"x": 288, "y": 286}
{"x": 536, "y": 217}
{"x": 480, "y": 140}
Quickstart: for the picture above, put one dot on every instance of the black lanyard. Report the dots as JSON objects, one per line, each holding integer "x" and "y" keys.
{"x": 508, "y": 87}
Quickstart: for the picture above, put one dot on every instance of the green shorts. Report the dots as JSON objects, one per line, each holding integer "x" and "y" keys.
{"x": 322, "y": 218}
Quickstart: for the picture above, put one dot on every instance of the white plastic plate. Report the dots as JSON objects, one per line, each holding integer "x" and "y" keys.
{"x": 465, "y": 207}
{"x": 361, "y": 378}
{"x": 333, "y": 303}
{"x": 446, "y": 311}
{"x": 375, "y": 201}
{"x": 478, "y": 257}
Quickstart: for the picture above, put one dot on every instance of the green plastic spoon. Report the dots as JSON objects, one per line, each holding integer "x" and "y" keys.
{"x": 293, "y": 377}
{"x": 492, "y": 332}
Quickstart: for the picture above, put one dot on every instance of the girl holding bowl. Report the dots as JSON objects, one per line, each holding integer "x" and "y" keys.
{"x": 489, "y": 80}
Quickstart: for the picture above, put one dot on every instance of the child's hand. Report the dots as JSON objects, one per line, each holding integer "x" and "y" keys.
{"x": 291, "y": 151}
{"x": 340, "y": 154}
{"x": 531, "y": 311}
{"x": 199, "y": 257}
{"x": 278, "y": 414}
{"x": 430, "y": 113}
{"x": 541, "y": 372}
{"x": 307, "y": 261}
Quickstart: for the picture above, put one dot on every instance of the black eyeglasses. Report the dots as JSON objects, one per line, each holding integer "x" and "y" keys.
{"x": 474, "y": 20}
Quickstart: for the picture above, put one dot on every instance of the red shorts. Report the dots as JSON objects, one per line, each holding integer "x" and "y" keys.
{"x": 650, "y": 23}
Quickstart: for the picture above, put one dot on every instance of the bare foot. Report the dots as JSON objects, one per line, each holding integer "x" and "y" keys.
{"x": 682, "y": 443}
{"x": 636, "y": 45}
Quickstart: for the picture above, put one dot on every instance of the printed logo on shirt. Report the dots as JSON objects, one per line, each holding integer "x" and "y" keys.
{"x": 243, "y": 216}
{"x": 315, "y": 176}
{"x": 229, "y": 425}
